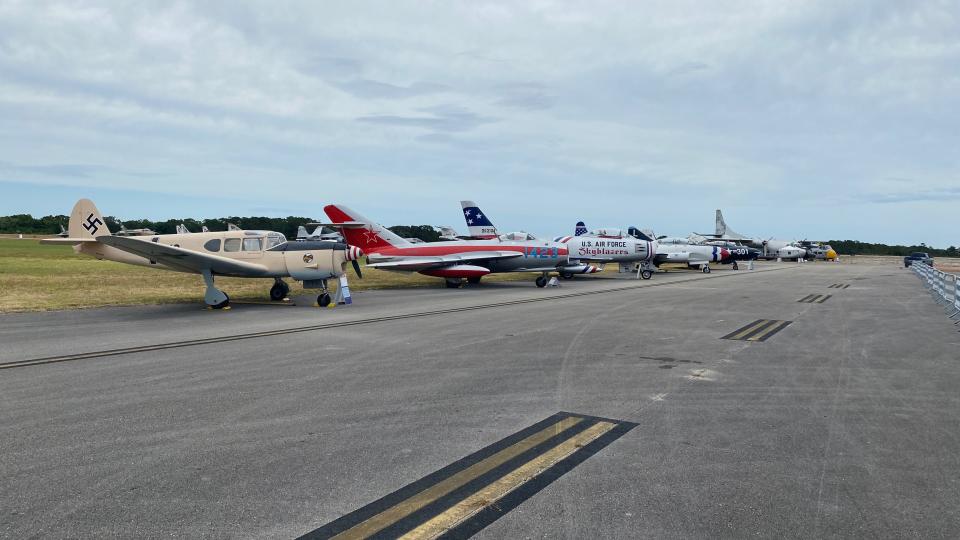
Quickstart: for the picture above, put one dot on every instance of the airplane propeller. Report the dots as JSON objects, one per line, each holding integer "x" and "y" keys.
{"x": 356, "y": 268}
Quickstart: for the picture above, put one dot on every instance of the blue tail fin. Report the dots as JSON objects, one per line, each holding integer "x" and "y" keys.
{"x": 478, "y": 223}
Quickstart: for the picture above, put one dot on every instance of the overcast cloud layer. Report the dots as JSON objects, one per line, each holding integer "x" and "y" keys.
{"x": 800, "y": 119}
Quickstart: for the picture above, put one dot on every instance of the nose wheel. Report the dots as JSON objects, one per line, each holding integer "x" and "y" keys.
{"x": 324, "y": 300}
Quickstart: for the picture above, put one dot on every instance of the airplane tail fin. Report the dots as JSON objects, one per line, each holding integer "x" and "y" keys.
{"x": 301, "y": 233}
{"x": 580, "y": 229}
{"x": 86, "y": 222}
{"x": 362, "y": 232}
{"x": 479, "y": 224}
{"x": 722, "y": 231}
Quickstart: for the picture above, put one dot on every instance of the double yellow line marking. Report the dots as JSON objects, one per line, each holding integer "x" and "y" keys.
{"x": 815, "y": 298}
{"x": 760, "y": 330}
{"x": 469, "y": 492}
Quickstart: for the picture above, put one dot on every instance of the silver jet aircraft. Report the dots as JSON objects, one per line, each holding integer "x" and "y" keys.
{"x": 769, "y": 248}
{"x": 587, "y": 249}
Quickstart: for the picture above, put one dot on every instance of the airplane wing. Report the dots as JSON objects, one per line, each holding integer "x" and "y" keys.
{"x": 182, "y": 259}
{"x": 416, "y": 264}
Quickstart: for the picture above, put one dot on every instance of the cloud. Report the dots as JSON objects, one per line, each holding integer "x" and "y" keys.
{"x": 750, "y": 103}
{"x": 440, "y": 118}
{"x": 365, "y": 88}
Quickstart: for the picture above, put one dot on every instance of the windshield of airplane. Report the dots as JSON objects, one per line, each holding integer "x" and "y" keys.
{"x": 275, "y": 239}
{"x": 518, "y": 236}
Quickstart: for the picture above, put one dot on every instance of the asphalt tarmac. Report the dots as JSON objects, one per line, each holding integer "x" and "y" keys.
{"x": 832, "y": 418}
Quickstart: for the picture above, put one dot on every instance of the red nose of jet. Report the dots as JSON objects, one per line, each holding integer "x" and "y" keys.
{"x": 354, "y": 253}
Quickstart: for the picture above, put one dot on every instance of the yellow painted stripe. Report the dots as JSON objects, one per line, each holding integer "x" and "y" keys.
{"x": 499, "y": 489}
{"x": 408, "y": 506}
{"x": 772, "y": 328}
{"x": 755, "y": 326}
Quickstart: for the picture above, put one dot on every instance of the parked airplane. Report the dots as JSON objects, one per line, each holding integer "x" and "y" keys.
{"x": 131, "y": 232}
{"x": 601, "y": 246}
{"x": 318, "y": 234}
{"x": 682, "y": 251}
{"x": 818, "y": 250}
{"x": 769, "y": 248}
{"x": 454, "y": 261}
{"x": 236, "y": 253}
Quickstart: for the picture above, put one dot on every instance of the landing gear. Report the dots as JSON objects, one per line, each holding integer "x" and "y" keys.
{"x": 542, "y": 281}
{"x": 324, "y": 300}
{"x": 645, "y": 270}
{"x": 279, "y": 291}
{"x": 705, "y": 269}
{"x": 454, "y": 283}
{"x": 473, "y": 280}
{"x": 566, "y": 275}
{"x": 214, "y": 297}
{"x": 735, "y": 267}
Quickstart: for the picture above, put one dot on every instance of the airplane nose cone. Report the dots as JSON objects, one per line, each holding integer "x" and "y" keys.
{"x": 724, "y": 254}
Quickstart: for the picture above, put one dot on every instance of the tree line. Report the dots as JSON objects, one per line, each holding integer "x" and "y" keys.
{"x": 27, "y": 224}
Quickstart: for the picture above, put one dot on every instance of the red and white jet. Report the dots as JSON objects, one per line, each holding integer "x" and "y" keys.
{"x": 455, "y": 261}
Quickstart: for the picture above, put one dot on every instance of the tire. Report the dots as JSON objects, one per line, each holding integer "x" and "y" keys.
{"x": 566, "y": 275}
{"x": 223, "y": 304}
{"x": 735, "y": 265}
{"x": 324, "y": 300}
{"x": 541, "y": 282}
{"x": 473, "y": 280}
{"x": 646, "y": 274}
{"x": 278, "y": 292}
{"x": 705, "y": 269}
{"x": 453, "y": 283}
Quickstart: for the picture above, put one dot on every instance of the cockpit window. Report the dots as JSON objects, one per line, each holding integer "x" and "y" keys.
{"x": 253, "y": 244}
{"x": 212, "y": 245}
{"x": 275, "y": 239}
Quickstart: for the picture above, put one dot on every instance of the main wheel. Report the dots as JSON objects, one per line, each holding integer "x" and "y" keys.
{"x": 541, "y": 281}
{"x": 453, "y": 283}
{"x": 566, "y": 275}
{"x": 473, "y": 280}
{"x": 323, "y": 300}
{"x": 223, "y": 304}
{"x": 279, "y": 291}
{"x": 646, "y": 274}
{"x": 735, "y": 267}
{"x": 705, "y": 269}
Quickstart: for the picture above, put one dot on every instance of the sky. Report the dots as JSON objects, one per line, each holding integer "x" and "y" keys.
{"x": 815, "y": 119}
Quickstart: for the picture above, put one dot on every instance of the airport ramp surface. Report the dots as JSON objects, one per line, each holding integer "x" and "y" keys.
{"x": 686, "y": 406}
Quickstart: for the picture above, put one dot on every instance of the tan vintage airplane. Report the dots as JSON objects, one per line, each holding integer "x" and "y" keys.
{"x": 236, "y": 253}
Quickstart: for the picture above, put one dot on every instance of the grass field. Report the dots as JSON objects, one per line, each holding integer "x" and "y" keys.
{"x": 36, "y": 277}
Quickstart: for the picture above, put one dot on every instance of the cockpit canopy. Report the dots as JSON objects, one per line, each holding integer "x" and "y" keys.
{"x": 517, "y": 236}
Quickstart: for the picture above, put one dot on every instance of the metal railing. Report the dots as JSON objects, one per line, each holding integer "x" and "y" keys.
{"x": 944, "y": 287}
